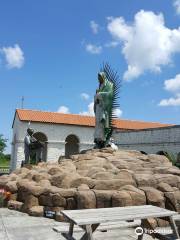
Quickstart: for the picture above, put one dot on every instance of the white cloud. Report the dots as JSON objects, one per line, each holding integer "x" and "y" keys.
{"x": 176, "y": 4}
{"x": 119, "y": 29}
{"x": 84, "y": 96}
{"x": 170, "y": 102}
{"x": 14, "y": 56}
{"x": 118, "y": 112}
{"x": 91, "y": 48}
{"x": 173, "y": 85}
{"x": 90, "y": 111}
{"x": 111, "y": 44}
{"x": 94, "y": 27}
{"x": 63, "y": 109}
{"x": 147, "y": 44}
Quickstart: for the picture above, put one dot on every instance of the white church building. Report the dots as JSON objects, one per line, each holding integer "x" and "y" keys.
{"x": 64, "y": 134}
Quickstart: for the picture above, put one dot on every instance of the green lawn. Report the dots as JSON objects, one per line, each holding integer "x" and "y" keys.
{"x": 4, "y": 163}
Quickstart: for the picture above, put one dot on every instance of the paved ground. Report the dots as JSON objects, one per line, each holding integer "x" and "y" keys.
{"x": 19, "y": 226}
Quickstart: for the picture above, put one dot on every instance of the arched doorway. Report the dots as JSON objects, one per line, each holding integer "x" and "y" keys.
{"x": 178, "y": 160}
{"x": 72, "y": 145}
{"x": 163, "y": 153}
{"x": 178, "y": 157}
{"x": 143, "y": 152}
{"x": 42, "y": 138}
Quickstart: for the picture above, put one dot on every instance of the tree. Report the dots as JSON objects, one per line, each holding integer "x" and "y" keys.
{"x": 2, "y": 144}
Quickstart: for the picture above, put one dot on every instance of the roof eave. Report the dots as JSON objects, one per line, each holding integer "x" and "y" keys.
{"x": 14, "y": 117}
{"x": 27, "y": 120}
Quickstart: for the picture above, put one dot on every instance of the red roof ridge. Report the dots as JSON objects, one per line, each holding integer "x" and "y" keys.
{"x": 81, "y": 120}
{"x": 141, "y": 121}
{"x": 34, "y": 110}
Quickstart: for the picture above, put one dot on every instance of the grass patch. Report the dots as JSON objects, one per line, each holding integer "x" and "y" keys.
{"x": 4, "y": 163}
{"x": 172, "y": 158}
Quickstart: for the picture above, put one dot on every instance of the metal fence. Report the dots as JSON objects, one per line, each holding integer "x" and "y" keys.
{"x": 4, "y": 170}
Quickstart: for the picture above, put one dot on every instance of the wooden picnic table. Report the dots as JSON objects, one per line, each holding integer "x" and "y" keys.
{"x": 90, "y": 219}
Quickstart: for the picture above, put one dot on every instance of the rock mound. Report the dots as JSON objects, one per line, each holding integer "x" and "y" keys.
{"x": 95, "y": 179}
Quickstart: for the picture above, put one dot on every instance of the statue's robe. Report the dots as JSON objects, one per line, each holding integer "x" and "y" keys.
{"x": 103, "y": 110}
{"x": 99, "y": 134}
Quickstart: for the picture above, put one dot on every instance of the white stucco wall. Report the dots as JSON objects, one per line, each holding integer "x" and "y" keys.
{"x": 151, "y": 140}
{"x": 15, "y": 145}
{"x": 56, "y": 135}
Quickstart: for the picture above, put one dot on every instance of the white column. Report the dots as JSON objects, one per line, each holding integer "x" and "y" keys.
{"x": 19, "y": 149}
{"x": 55, "y": 149}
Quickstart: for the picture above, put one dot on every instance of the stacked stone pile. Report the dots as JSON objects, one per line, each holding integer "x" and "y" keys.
{"x": 95, "y": 179}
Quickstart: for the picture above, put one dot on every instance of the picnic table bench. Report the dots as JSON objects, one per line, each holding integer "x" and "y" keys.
{"x": 90, "y": 219}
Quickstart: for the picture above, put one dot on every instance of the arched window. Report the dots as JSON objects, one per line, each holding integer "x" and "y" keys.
{"x": 72, "y": 145}
{"x": 42, "y": 138}
{"x": 143, "y": 152}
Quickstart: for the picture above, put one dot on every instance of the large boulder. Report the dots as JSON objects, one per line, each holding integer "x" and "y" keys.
{"x": 40, "y": 176}
{"x": 124, "y": 174}
{"x": 172, "y": 180}
{"x": 121, "y": 199}
{"x": 56, "y": 180}
{"x": 30, "y": 201}
{"x": 46, "y": 200}
{"x": 95, "y": 162}
{"x": 159, "y": 160}
{"x": 103, "y": 198}
{"x": 15, "y": 205}
{"x": 13, "y": 177}
{"x": 95, "y": 179}
{"x": 67, "y": 193}
{"x": 102, "y": 176}
{"x": 54, "y": 170}
{"x": 29, "y": 175}
{"x": 173, "y": 200}
{"x": 83, "y": 187}
{"x": 94, "y": 170}
{"x": 3, "y": 181}
{"x": 138, "y": 196}
{"x": 154, "y": 196}
{"x": 113, "y": 184}
{"x": 58, "y": 200}
{"x": 86, "y": 199}
{"x": 75, "y": 181}
{"x": 68, "y": 166}
{"x": 71, "y": 203}
{"x": 23, "y": 189}
{"x": 145, "y": 180}
{"x": 164, "y": 187}
{"x": 11, "y": 186}
{"x": 21, "y": 171}
{"x": 174, "y": 170}
{"x": 36, "y": 211}
{"x": 30, "y": 187}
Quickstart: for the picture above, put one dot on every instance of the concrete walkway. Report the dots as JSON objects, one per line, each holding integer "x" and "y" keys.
{"x": 19, "y": 226}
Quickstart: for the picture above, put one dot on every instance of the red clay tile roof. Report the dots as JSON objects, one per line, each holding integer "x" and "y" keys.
{"x": 75, "y": 119}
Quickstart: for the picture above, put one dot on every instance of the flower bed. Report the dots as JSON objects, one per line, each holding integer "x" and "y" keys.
{"x": 4, "y": 197}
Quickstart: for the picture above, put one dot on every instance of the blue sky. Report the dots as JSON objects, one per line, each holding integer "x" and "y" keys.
{"x": 51, "y": 51}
